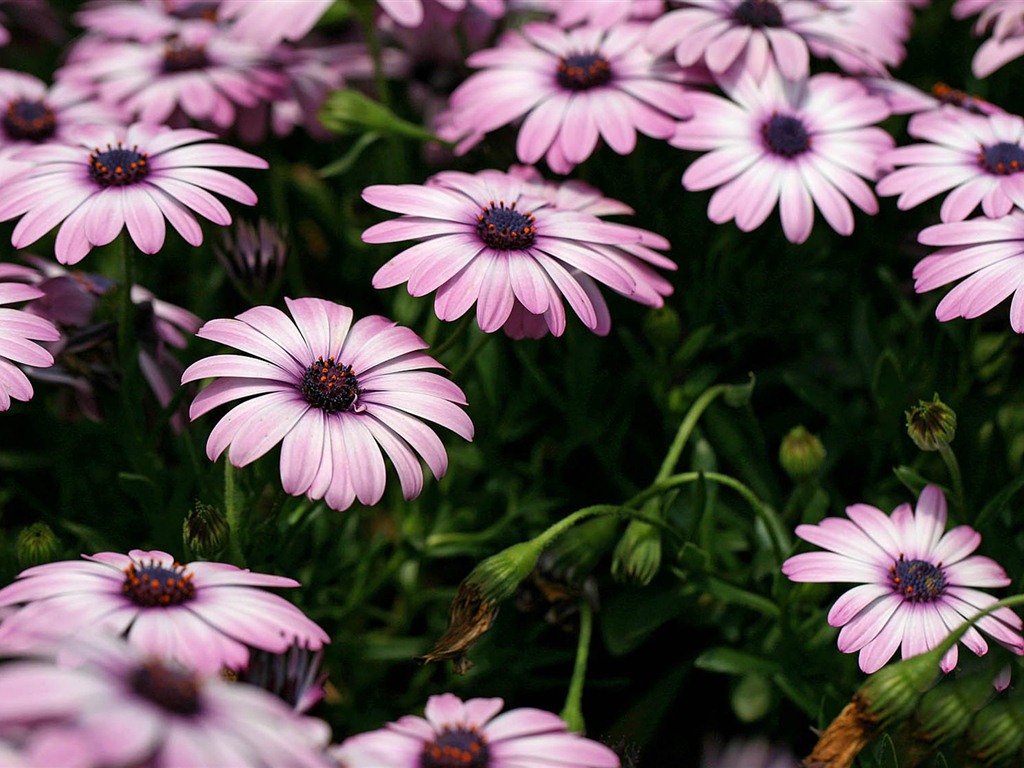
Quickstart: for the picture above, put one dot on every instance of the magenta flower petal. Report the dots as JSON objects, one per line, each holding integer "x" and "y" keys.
{"x": 334, "y": 393}
{"x": 918, "y": 584}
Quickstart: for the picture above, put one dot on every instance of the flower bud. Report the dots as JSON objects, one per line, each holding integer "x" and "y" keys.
{"x": 637, "y": 556}
{"x": 253, "y": 257}
{"x": 662, "y": 328}
{"x": 801, "y": 454}
{"x": 997, "y": 732}
{"x": 931, "y": 425}
{"x": 205, "y": 531}
{"x": 37, "y": 544}
{"x": 946, "y": 711}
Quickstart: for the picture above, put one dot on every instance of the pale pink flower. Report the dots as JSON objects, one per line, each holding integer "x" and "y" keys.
{"x": 758, "y": 35}
{"x": 103, "y": 703}
{"x": 204, "y": 615}
{"x": 199, "y": 74}
{"x": 476, "y": 734}
{"x": 799, "y": 144}
{"x": 147, "y": 21}
{"x": 570, "y": 88}
{"x": 410, "y": 13}
{"x": 268, "y": 22}
{"x": 1004, "y": 21}
{"x": 334, "y": 393}
{"x": 977, "y": 159}
{"x": 487, "y": 240}
{"x": 986, "y": 255}
{"x": 116, "y": 177}
{"x": 916, "y": 583}
{"x": 19, "y": 331}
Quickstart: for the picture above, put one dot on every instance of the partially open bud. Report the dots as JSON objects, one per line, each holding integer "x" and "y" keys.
{"x": 293, "y": 676}
{"x": 205, "y": 531}
{"x": 931, "y": 425}
{"x": 253, "y": 257}
{"x": 637, "y": 556}
{"x": 37, "y": 544}
{"x": 801, "y": 454}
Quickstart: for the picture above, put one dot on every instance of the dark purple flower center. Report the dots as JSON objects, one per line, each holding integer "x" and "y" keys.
{"x": 202, "y": 9}
{"x": 1003, "y": 158}
{"x": 179, "y": 57}
{"x": 917, "y": 580}
{"x": 152, "y": 584}
{"x": 29, "y": 119}
{"x": 785, "y": 135}
{"x": 117, "y": 166}
{"x": 505, "y": 229}
{"x": 174, "y": 690}
{"x": 758, "y": 13}
{"x": 456, "y": 748}
{"x": 581, "y": 71}
{"x": 330, "y": 386}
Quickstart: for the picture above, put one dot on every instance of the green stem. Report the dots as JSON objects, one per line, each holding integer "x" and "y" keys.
{"x": 233, "y": 515}
{"x": 949, "y": 459}
{"x": 572, "y": 712}
{"x": 457, "y": 334}
{"x": 546, "y": 538}
{"x": 686, "y": 429}
{"x": 126, "y": 324}
{"x": 470, "y": 356}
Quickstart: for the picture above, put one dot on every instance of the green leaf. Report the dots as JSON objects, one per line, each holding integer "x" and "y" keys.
{"x": 912, "y": 479}
{"x": 730, "y": 593}
{"x": 999, "y": 502}
{"x": 730, "y": 661}
{"x": 632, "y": 614}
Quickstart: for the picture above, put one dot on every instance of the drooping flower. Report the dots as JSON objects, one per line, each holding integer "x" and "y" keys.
{"x": 637, "y": 260}
{"x": 117, "y": 177}
{"x": 19, "y": 331}
{"x": 978, "y": 159}
{"x": 987, "y": 255}
{"x": 756, "y": 36}
{"x": 800, "y": 144}
{"x": 101, "y": 703}
{"x": 473, "y": 733}
{"x": 916, "y": 583}
{"x": 487, "y": 241}
{"x": 199, "y": 73}
{"x": 571, "y": 88}
{"x": 204, "y": 615}
{"x": 1003, "y": 20}
{"x": 334, "y": 393}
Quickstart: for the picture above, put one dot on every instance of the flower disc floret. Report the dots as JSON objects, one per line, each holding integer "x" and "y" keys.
{"x": 785, "y": 135}
{"x": 580, "y": 71}
{"x": 330, "y": 386}
{"x": 29, "y": 120}
{"x": 179, "y": 56}
{"x": 506, "y": 229}
{"x": 151, "y": 584}
{"x": 456, "y": 747}
{"x": 1003, "y": 158}
{"x": 759, "y": 13}
{"x": 118, "y": 166}
{"x": 175, "y": 690}
{"x": 918, "y": 581}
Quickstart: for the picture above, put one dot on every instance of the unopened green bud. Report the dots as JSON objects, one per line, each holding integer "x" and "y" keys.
{"x": 205, "y": 531}
{"x": 663, "y": 328}
{"x": 637, "y": 556}
{"x": 498, "y": 576}
{"x": 931, "y": 425}
{"x": 947, "y": 710}
{"x": 801, "y": 454}
{"x": 997, "y": 732}
{"x": 892, "y": 693}
{"x": 37, "y": 544}
{"x": 351, "y": 111}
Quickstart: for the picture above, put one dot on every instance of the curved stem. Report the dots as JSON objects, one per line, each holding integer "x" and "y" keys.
{"x": 686, "y": 429}
{"x": 949, "y": 459}
{"x": 233, "y": 515}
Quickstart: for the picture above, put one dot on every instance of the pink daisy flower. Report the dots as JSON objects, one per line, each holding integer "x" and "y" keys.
{"x": 1004, "y": 21}
{"x": 637, "y": 260}
{"x": 758, "y": 35}
{"x": 333, "y": 393}
{"x": 571, "y": 88}
{"x": 486, "y": 240}
{"x": 199, "y": 74}
{"x": 18, "y": 332}
{"x": 917, "y": 584}
{"x": 977, "y": 159}
{"x": 117, "y": 177}
{"x": 203, "y": 615}
{"x": 473, "y": 733}
{"x": 410, "y": 13}
{"x": 103, "y": 704}
{"x": 799, "y": 144}
{"x": 987, "y": 255}
{"x": 144, "y": 20}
